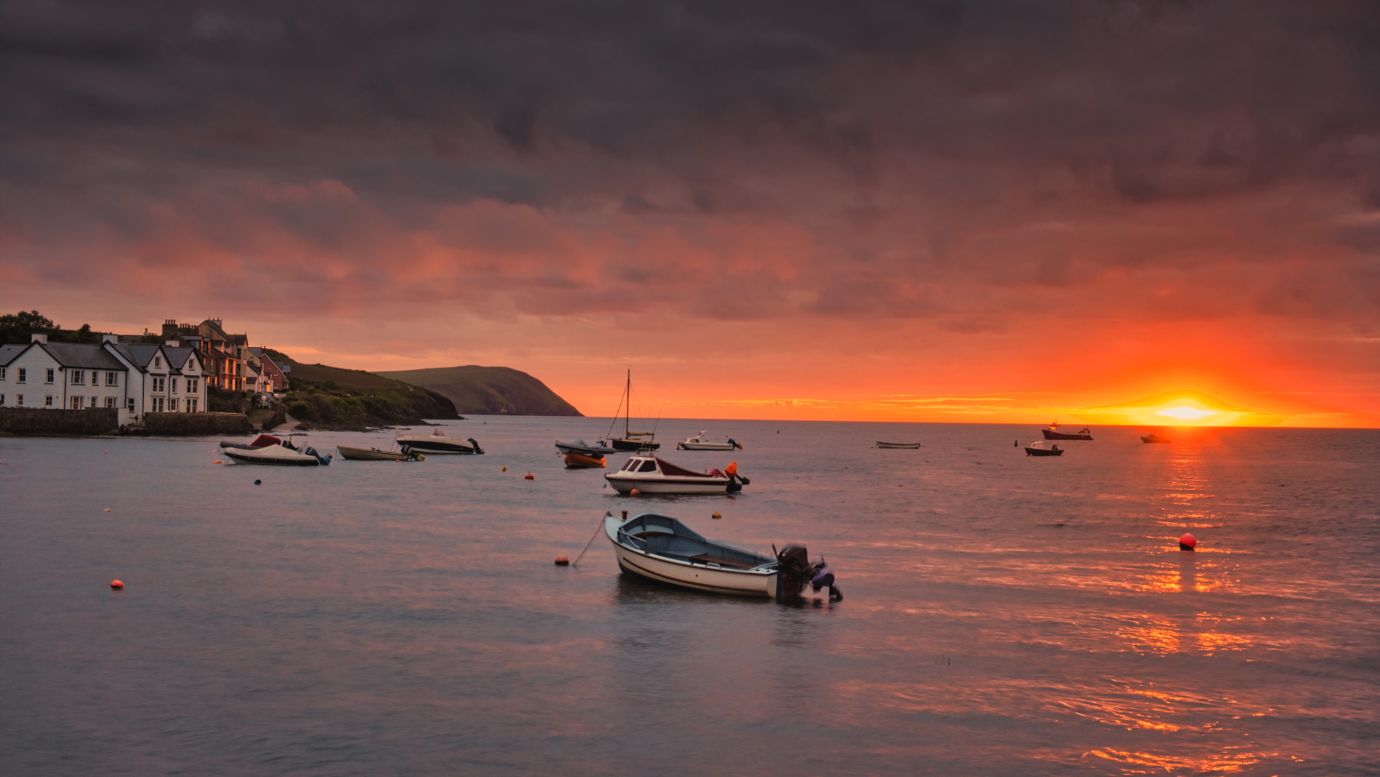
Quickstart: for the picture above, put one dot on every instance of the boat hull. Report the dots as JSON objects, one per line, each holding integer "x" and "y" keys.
{"x": 370, "y": 454}
{"x": 1043, "y": 452}
{"x": 587, "y": 450}
{"x": 1052, "y": 435}
{"x": 582, "y": 461}
{"x": 899, "y": 446}
{"x": 705, "y": 446}
{"x": 623, "y": 444}
{"x": 682, "y": 574}
{"x": 439, "y": 445}
{"x": 624, "y": 483}
{"x": 1152, "y": 438}
{"x": 260, "y": 456}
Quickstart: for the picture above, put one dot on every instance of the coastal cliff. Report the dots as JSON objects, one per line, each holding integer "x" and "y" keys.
{"x": 488, "y": 390}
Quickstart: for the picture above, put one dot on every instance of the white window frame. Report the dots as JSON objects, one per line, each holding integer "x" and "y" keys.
{"x": 110, "y": 379}
{"x": 48, "y": 400}
{"x": 23, "y": 376}
{"x": 48, "y": 375}
{"x": 78, "y": 378}
{"x": 18, "y": 400}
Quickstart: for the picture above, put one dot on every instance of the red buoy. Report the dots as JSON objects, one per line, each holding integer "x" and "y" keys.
{"x": 562, "y": 561}
{"x": 1188, "y": 542}
{"x": 529, "y": 476}
{"x": 117, "y": 585}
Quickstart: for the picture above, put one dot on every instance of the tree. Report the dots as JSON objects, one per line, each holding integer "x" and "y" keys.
{"x": 19, "y": 327}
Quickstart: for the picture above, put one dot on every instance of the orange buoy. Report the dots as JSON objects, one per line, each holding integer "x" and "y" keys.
{"x": 732, "y": 468}
{"x": 217, "y": 461}
{"x": 117, "y": 585}
{"x": 529, "y": 476}
{"x": 562, "y": 561}
{"x": 1188, "y": 542}
{"x": 634, "y": 492}
{"x": 716, "y": 516}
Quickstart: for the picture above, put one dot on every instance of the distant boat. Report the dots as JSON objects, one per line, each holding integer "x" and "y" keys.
{"x": 899, "y": 446}
{"x": 630, "y": 441}
{"x": 1038, "y": 448}
{"x": 700, "y": 443}
{"x": 1052, "y": 432}
{"x": 575, "y": 460}
{"x": 664, "y": 550}
{"x": 280, "y": 455}
{"x": 438, "y": 443}
{"x": 374, "y": 454}
{"x": 1155, "y": 437}
{"x": 654, "y": 475}
{"x": 599, "y": 448}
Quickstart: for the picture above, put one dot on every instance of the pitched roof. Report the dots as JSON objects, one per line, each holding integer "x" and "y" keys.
{"x": 140, "y": 354}
{"x": 177, "y": 357}
{"x": 86, "y": 355}
{"x": 8, "y": 352}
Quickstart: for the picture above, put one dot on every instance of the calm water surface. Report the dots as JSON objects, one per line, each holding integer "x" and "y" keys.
{"x": 1003, "y": 615}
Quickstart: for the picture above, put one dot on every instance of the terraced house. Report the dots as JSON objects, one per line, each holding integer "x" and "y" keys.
{"x": 132, "y": 379}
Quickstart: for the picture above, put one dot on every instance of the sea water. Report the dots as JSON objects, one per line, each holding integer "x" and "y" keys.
{"x": 1003, "y": 615}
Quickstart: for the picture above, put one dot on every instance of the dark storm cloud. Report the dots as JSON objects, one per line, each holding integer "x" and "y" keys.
{"x": 952, "y": 129}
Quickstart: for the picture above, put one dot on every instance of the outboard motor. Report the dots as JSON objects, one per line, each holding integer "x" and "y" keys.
{"x": 796, "y": 572}
{"x": 734, "y": 443}
{"x": 735, "y": 481}
{"x": 324, "y": 459}
{"x": 475, "y": 443}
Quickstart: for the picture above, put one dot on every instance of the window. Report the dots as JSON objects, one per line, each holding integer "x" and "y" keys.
{"x": 23, "y": 375}
{"x": 172, "y": 384}
{"x": 78, "y": 377}
{"x": 110, "y": 379}
{"x": 158, "y": 384}
{"x": 131, "y": 404}
{"x": 172, "y": 405}
{"x": 2, "y": 373}
{"x": 95, "y": 402}
{"x": 76, "y": 403}
{"x": 19, "y": 399}
{"x": 191, "y": 386}
{"x": 110, "y": 402}
{"x": 48, "y": 376}
{"x": 191, "y": 404}
{"x": 648, "y": 466}
{"x": 48, "y": 401}
{"x": 157, "y": 404}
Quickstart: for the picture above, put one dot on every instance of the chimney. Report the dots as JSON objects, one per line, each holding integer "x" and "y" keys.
{"x": 39, "y": 338}
{"x": 172, "y": 344}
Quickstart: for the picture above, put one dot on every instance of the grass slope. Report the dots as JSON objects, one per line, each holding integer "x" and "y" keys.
{"x": 489, "y": 390}
{"x": 328, "y": 397}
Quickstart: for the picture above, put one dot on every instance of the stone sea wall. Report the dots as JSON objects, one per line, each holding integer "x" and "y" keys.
{"x": 39, "y": 421}
{"x": 196, "y": 424}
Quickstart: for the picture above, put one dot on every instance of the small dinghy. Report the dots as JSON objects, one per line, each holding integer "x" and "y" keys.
{"x": 583, "y": 461}
{"x": 439, "y": 443}
{"x": 662, "y": 549}
{"x": 701, "y": 443}
{"x": 599, "y": 448}
{"x": 898, "y": 446}
{"x": 654, "y": 475}
{"x": 1038, "y": 448}
{"x": 282, "y": 455}
{"x": 374, "y": 454}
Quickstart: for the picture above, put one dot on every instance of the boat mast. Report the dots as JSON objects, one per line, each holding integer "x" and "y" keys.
{"x": 627, "y": 419}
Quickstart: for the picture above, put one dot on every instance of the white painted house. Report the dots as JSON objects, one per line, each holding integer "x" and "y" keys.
{"x": 132, "y": 379}
{"x": 162, "y": 378}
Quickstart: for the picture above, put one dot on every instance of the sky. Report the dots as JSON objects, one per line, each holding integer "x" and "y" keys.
{"x": 912, "y": 211}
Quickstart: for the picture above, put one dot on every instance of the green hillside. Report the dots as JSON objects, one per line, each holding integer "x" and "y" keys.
{"x": 488, "y": 390}
{"x": 325, "y": 397}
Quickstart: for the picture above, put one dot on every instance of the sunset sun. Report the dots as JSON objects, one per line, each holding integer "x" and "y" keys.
{"x": 1186, "y": 413}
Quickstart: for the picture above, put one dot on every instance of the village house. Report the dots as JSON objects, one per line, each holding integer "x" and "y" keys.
{"x": 132, "y": 379}
{"x": 225, "y": 356}
{"x": 268, "y": 377}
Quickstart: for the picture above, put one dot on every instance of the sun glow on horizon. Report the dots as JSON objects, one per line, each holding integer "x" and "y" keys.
{"x": 1186, "y": 412}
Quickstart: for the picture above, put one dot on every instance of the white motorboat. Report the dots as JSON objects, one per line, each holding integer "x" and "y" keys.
{"x": 701, "y": 443}
{"x": 662, "y": 549}
{"x": 654, "y": 475}
{"x": 282, "y": 455}
{"x": 439, "y": 443}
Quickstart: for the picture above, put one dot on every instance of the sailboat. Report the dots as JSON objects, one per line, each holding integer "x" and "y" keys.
{"x": 630, "y": 441}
